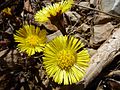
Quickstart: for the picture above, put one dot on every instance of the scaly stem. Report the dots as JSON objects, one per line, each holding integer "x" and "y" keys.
{"x": 59, "y": 23}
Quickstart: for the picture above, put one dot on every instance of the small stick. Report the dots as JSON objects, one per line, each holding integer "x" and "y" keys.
{"x": 99, "y": 11}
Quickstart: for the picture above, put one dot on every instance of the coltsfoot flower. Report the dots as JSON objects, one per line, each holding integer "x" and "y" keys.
{"x": 7, "y": 11}
{"x": 64, "y": 60}
{"x": 30, "y": 39}
{"x": 52, "y": 11}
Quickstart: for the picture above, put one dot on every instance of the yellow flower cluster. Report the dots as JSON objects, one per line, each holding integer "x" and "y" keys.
{"x": 53, "y": 10}
{"x": 63, "y": 60}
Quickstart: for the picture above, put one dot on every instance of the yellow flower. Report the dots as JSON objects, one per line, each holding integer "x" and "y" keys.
{"x": 7, "y": 11}
{"x": 30, "y": 39}
{"x": 64, "y": 61}
{"x": 49, "y": 12}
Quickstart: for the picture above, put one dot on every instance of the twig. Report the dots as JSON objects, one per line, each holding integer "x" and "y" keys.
{"x": 98, "y": 11}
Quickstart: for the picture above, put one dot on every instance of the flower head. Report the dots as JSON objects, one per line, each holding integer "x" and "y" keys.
{"x": 51, "y": 11}
{"x": 30, "y": 39}
{"x": 7, "y": 11}
{"x": 64, "y": 61}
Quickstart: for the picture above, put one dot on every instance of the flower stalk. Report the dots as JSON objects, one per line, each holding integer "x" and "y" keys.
{"x": 59, "y": 23}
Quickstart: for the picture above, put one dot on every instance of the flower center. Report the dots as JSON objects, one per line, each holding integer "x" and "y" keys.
{"x": 66, "y": 59}
{"x": 32, "y": 40}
